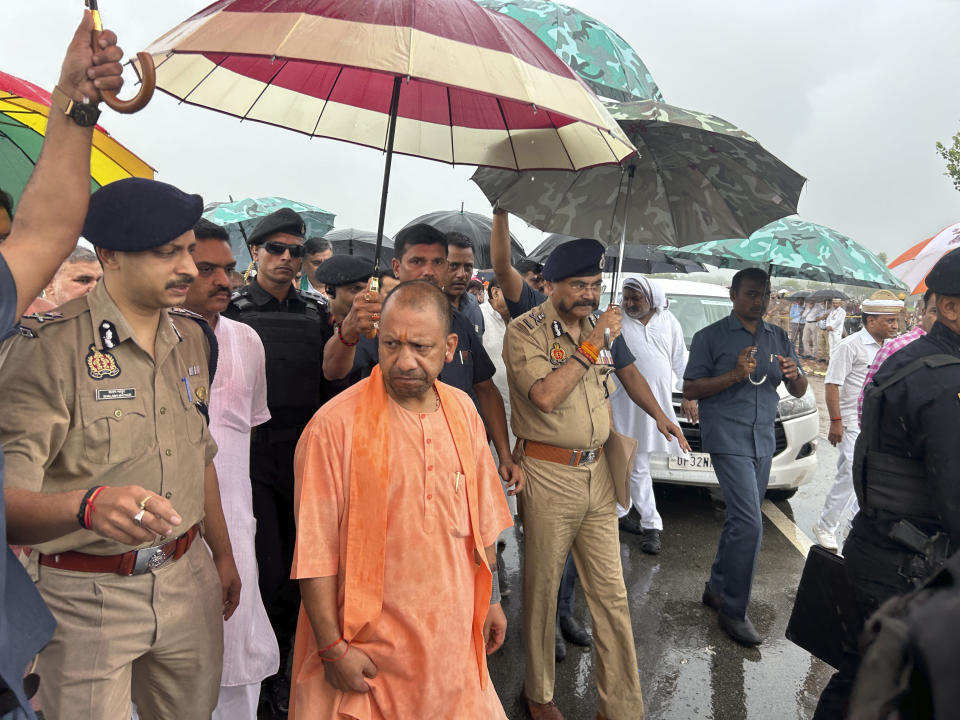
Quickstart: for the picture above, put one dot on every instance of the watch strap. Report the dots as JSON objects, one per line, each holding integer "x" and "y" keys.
{"x": 62, "y": 101}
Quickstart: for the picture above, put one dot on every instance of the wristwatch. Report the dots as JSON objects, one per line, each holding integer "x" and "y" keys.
{"x": 83, "y": 114}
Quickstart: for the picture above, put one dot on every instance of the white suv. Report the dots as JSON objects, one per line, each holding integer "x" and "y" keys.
{"x": 696, "y": 305}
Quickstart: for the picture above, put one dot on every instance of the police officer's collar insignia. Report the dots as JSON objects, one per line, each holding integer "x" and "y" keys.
{"x": 557, "y": 355}
{"x": 101, "y": 364}
{"x": 557, "y": 328}
{"x": 26, "y": 332}
{"x": 44, "y": 316}
{"x": 108, "y": 335}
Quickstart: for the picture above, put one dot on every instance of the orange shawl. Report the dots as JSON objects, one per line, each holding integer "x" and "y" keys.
{"x": 367, "y": 517}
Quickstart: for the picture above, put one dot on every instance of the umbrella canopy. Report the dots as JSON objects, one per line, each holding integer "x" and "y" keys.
{"x": 477, "y": 87}
{"x": 240, "y": 217}
{"x": 644, "y": 259}
{"x": 596, "y": 53}
{"x": 24, "y": 108}
{"x": 361, "y": 243}
{"x": 475, "y": 227}
{"x": 802, "y": 294}
{"x": 697, "y": 177}
{"x": 913, "y": 266}
{"x": 828, "y": 294}
{"x": 793, "y": 248}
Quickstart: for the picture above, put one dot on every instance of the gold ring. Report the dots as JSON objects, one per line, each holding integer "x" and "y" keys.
{"x": 143, "y": 503}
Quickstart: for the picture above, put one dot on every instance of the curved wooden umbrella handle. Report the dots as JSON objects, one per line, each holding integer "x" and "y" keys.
{"x": 148, "y": 83}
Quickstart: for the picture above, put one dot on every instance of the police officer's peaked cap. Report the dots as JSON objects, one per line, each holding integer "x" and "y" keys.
{"x": 574, "y": 258}
{"x": 136, "y": 214}
{"x": 944, "y": 278}
{"x": 283, "y": 220}
{"x": 344, "y": 270}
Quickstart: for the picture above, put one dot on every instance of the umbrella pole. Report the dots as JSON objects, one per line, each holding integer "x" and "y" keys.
{"x": 623, "y": 238}
{"x": 391, "y": 132}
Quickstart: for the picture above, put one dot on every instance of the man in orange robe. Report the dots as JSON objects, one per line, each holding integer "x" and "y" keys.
{"x": 398, "y": 507}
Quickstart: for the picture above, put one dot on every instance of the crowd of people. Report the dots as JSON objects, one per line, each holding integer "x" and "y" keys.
{"x": 284, "y": 493}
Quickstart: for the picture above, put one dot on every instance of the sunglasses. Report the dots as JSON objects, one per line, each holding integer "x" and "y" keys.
{"x": 278, "y": 248}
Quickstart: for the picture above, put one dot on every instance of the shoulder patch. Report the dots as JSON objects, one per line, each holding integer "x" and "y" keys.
{"x": 185, "y": 313}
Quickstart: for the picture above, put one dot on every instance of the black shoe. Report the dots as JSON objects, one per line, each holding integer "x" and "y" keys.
{"x": 275, "y": 695}
{"x": 560, "y": 647}
{"x": 631, "y": 523}
{"x": 650, "y": 542}
{"x": 574, "y": 631}
{"x": 740, "y": 630}
{"x": 710, "y": 598}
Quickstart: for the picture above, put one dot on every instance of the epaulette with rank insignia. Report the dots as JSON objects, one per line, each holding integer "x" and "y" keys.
{"x": 211, "y": 339}
{"x": 533, "y": 319}
{"x": 42, "y": 317}
{"x": 185, "y": 313}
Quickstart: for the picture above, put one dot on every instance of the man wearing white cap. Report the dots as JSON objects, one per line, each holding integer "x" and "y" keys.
{"x": 655, "y": 339}
{"x": 849, "y": 363}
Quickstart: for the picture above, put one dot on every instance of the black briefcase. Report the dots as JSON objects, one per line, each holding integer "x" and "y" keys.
{"x": 824, "y": 617}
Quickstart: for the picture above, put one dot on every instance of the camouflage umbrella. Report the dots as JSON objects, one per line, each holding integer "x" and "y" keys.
{"x": 239, "y": 217}
{"x": 796, "y": 249}
{"x": 605, "y": 61}
{"x": 697, "y": 177}
{"x": 644, "y": 259}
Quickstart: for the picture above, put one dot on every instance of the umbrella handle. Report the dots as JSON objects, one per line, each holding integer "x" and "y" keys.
{"x": 374, "y": 286}
{"x": 148, "y": 76}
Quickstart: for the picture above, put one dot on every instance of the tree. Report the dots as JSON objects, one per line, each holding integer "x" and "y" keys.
{"x": 951, "y": 156}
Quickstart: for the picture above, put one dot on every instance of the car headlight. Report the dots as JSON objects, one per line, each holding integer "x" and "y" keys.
{"x": 793, "y": 407}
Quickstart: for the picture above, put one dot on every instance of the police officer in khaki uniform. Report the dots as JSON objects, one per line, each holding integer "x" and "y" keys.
{"x": 559, "y": 385}
{"x": 107, "y": 448}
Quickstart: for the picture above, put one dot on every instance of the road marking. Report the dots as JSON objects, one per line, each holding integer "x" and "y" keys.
{"x": 797, "y": 537}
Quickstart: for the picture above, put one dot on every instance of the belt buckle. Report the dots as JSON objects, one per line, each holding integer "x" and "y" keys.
{"x": 588, "y": 456}
{"x": 149, "y": 559}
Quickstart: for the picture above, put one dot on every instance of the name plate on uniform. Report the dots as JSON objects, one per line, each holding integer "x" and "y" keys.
{"x": 693, "y": 461}
{"x": 116, "y": 394}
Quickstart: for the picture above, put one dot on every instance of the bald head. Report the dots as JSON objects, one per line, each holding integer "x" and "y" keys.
{"x": 423, "y": 296}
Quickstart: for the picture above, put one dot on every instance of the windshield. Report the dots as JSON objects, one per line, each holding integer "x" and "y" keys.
{"x": 695, "y": 312}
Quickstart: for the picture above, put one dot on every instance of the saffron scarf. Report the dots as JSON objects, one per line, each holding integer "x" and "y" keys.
{"x": 367, "y": 516}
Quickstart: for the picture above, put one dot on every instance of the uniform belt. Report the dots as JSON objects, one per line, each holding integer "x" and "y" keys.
{"x": 135, "y": 562}
{"x": 562, "y": 456}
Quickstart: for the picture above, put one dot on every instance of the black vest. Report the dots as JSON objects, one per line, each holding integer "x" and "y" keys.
{"x": 293, "y": 347}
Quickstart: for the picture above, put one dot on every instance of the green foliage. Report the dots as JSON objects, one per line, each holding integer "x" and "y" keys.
{"x": 951, "y": 156}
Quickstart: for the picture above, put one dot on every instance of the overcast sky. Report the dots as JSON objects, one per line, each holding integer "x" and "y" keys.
{"x": 851, "y": 94}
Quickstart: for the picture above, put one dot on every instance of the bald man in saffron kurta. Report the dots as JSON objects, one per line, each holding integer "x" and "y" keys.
{"x": 423, "y": 640}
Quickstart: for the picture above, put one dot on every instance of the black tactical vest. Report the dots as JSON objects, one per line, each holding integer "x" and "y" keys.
{"x": 293, "y": 347}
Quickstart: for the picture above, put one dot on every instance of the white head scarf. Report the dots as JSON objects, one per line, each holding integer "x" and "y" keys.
{"x": 656, "y": 298}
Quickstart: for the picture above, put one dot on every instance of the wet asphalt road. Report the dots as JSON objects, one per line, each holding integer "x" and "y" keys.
{"x": 688, "y": 667}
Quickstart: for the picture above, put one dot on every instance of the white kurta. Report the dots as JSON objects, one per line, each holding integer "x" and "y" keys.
{"x": 661, "y": 357}
{"x": 238, "y": 402}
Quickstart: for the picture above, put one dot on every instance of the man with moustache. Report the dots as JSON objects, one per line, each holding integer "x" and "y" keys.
{"x": 420, "y": 252}
{"x": 110, "y": 464}
{"x": 293, "y": 329}
{"x": 76, "y": 276}
{"x": 238, "y": 403}
{"x": 459, "y": 273}
{"x": 734, "y": 368}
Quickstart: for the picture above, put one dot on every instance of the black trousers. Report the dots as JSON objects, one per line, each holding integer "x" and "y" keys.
{"x": 271, "y": 475}
{"x": 874, "y": 573}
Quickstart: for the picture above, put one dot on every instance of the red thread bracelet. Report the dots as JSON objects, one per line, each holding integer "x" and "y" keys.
{"x": 336, "y": 659}
{"x": 88, "y": 512}
{"x": 331, "y": 645}
{"x": 340, "y": 335}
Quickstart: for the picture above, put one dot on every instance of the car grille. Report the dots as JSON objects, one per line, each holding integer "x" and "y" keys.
{"x": 692, "y": 432}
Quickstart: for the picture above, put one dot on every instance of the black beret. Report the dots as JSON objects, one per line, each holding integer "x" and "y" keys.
{"x": 283, "y": 220}
{"x": 944, "y": 278}
{"x": 137, "y": 214}
{"x": 574, "y": 258}
{"x": 344, "y": 270}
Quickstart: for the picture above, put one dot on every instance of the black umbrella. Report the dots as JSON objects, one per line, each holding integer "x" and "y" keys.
{"x": 475, "y": 228}
{"x": 802, "y": 294}
{"x": 645, "y": 259}
{"x": 829, "y": 294}
{"x": 362, "y": 243}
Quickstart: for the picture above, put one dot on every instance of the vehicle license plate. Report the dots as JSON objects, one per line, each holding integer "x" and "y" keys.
{"x": 693, "y": 461}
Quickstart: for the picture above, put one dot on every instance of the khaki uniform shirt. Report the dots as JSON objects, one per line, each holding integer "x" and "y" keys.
{"x": 534, "y": 345}
{"x": 85, "y": 405}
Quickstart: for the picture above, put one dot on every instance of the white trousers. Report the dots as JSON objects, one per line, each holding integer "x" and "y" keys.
{"x": 835, "y": 336}
{"x": 641, "y": 494}
{"x": 237, "y": 702}
{"x": 841, "y": 503}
